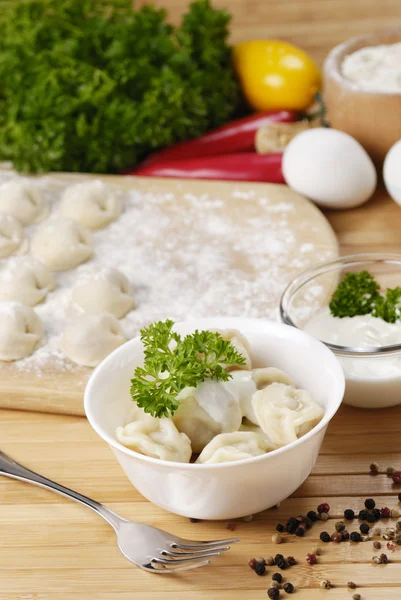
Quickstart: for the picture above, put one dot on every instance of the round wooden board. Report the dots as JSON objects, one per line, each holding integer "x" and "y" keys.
{"x": 227, "y": 222}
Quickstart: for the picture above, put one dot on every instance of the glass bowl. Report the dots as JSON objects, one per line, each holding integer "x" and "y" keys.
{"x": 372, "y": 372}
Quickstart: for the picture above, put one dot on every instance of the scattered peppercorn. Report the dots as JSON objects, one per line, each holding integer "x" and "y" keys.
{"x": 300, "y": 518}
{"x": 311, "y": 559}
{"x": 385, "y": 512}
{"x": 276, "y": 585}
{"x": 376, "y": 560}
{"x": 397, "y": 539}
{"x": 376, "y": 513}
{"x": 345, "y": 535}
{"x": 349, "y": 514}
{"x": 376, "y": 531}
{"x": 399, "y": 498}
{"x": 377, "y": 545}
{"x": 270, "y": 561}
{"x": 374, "y": 468}
{"x": 397, "y": 477}
{"x": 336, "y": 538}
{"x": 398, "y": 525}
{"x": 323, "y": 508}
{"x": 273, "y": 593}
{"x": 365, "y": 538}
{"x": 312, "y": 515}
{"x": 325, "y": 537}
{"x": 288, "y": 588}
{"x": 371, "y": 518}
{"x": 300, "y": 531}
{"x": 363, "y": 514}
{"x": 325, "y": 584}
{"x": 280, "y": 561}
{"x": 260, "y": 560}
{"x": 355, "y": 536}
{"x": 260, "y": 569}
{"x": 277, "y": 577}
{"x": 370, "y": 503}
{"x": 324, "y": 516}
{"x": 252, "y": 563}
{"x": 308, "y": 522}
{"x": 356, "y": 597}
{"x": 291, "y": 561}
{"x": 383, "y": 559}
{"x": 390, "y": 471}
{"x": 279, "y": 527}
{"x": 317, "y": 550}
{"x": 276, "y": 538}
{"x": 391, "y": 546}
{"x": 395, "y": 513}
{"x": 364, "y": 528}
{"x": 231, "y": 526}
{"x": 340, "y": 526}
{"x": 351, "y": 585}
{"x": 291, "y": 525}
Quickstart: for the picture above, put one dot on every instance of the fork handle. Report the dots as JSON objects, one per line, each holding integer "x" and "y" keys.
{"x": 10, "y": 468}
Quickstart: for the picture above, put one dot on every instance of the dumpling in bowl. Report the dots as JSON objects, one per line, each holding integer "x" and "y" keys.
{"x": 240, "y": 343}
{"x": 154, "y": 437}
{"x": 211, "y": 408}
{"x": 229, "y": 447}
{"x": 285, "y": 413}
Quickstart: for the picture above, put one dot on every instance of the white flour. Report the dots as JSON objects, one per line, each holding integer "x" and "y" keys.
{"x": 375, "y": 68}
{"x": 192, "y": 260}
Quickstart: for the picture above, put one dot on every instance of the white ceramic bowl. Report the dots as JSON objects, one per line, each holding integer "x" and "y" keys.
{"x": 230, "y": 490}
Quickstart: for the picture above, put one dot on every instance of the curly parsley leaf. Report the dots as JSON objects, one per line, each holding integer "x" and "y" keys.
{"x": 172, "y": 363}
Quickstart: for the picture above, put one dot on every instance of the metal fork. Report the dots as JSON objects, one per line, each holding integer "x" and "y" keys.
{"x": 150, "y": 548}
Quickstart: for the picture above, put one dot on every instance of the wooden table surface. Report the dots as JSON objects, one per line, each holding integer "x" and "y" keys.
{"x": 51, "y": 548}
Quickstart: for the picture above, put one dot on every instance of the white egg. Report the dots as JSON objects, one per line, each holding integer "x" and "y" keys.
{"x": 392, "y": 172}
{"x": 330, "y": 168}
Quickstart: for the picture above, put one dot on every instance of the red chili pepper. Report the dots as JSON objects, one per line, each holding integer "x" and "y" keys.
{"x": 237, "y": 136}
{"x": 245, "y": 166}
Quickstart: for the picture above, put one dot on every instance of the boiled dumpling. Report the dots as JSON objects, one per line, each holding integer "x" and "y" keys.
{"x": 229, "y": 447}
{"x": 92, "y": 203}
{"x": 25, "y": 279}
{"x": 23, "y": 200}
{"x": 20, "y": 330}
{"x": 267, "y": 375}
{"x": 241, "y": 344}
{"x": 107, "y": 291}
{"x": 158, "y": 438}
{"x": 12, "y": 240}
{"x": 211, "y": 408}
{"x": 62, "y": 244}
{"x": 285, "y": 412}
{"x": 88, "y": 339}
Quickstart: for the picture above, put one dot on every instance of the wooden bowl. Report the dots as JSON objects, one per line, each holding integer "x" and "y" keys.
{"x": 372, "y": 118}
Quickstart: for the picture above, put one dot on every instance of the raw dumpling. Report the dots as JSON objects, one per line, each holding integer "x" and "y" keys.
{"x": 12, "y": 240}
{"x": 158, "y": 438}
{"x": 209, "y": 409}
{"x": 62, "y": 244}
{"x": 20, "y": 330}
{"x": 88, "y": 339}
{"x": 229, "y": 447}
{"x": 25, "y": 279}
{"x": 285, "y": 412}
{"x": 241, "y": 344}
{"x": 23, "y": 200}
{"x": 107, "y": 291}
{"x": 92, "y": 203}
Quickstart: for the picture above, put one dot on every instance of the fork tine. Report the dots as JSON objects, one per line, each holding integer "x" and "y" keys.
{"x": 192, "y": 545}
{"x": 192, "y": 565}
{"x": 182, "y": 561}
{"x": 195, "y": 553}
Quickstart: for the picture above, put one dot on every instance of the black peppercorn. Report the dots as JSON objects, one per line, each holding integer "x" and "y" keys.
{"x": 280, "y": 561}
{"x": 279, "y": 527}
{"x": 300, "y": 531}
{"x": 363, "y": 515}
{"x": 383, "y": 559}
{"x": 355, "y": 536}
{"x": 345, "y": 535}
{"x": 291, "y": 561}
{"x": 364, "y": 528}
{"x": 349, "y": 514}
{"x": 308, "y": 522}
{"x": 340, "y": 526}
{"x": 325, "y": 537}
{"x": 291, "y": 525}
{"x": 371, "y": 518}
{"x": 288, "y": 588}
{"x": 370, "y": 503}
{"x": 273, "y": 593}
{"x": 260, "y": 569}
{"x": 277, "y": 577}
{"x": 312, "y": 515}
{"x": 376, "y": 513}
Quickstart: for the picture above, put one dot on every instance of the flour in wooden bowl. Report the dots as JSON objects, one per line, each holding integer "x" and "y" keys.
{"x": 375, "y": 68}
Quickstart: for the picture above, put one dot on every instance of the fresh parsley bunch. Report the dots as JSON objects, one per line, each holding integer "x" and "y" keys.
{"x": 172, "y": 363}
{"x": 94, "y": 85}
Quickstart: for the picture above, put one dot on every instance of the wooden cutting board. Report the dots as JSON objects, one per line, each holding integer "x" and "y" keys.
{"x": 229, "y": 222}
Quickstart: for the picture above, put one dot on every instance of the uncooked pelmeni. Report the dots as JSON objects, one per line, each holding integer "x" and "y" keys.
{"x": 92, "y": 203}
{"x": 12, "y": 239}
{"x": 20, "y": 330}
{"x": 23, "y": 200}
{"x": 25, "y": 279}
{"x": 108, "y": 291}
{"x": 88, "y": 339}
{"x": 62, "y": 244}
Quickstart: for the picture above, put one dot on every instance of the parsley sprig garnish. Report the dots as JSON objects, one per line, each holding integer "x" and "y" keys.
{"x": 173, "y": 363}
{"x": 359, "y": 294}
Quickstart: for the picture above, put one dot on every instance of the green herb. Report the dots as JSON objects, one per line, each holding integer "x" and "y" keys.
{"x": 172, "y": 363}
{"x": 93, "y": 85}
{"x": 359, "y": 294}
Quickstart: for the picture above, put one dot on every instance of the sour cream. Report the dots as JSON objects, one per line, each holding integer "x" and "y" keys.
{"x": 373, "y": 381}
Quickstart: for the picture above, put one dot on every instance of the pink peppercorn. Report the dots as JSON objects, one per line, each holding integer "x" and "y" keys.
{"x": 311, "y": 559}
{"x": 391, "y": 546}
{"x": 385, "y": 512}
{"x": 323, "y": 508}
{"x": 397, "y": 477}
